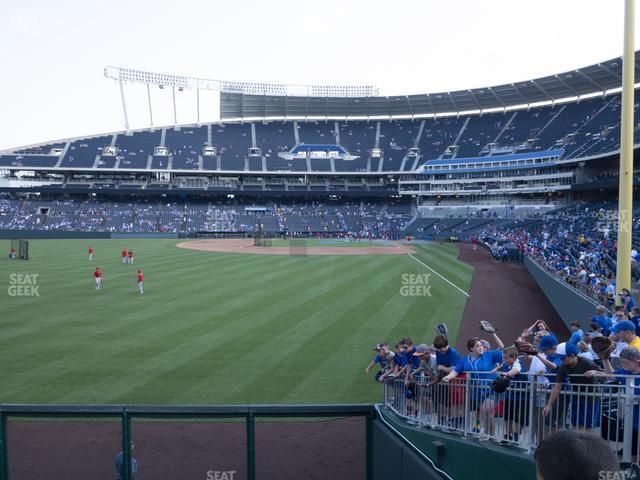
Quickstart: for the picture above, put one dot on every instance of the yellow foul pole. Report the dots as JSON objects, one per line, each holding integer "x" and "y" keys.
{"x": 625, "y": 194}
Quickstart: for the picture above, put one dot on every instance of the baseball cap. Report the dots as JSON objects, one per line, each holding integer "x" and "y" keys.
{"x": 378, "y": 346}
{"x": 624, "y": 325}
{"x": 485, "y": 343}
{"x": 548, "y": 341}
{"x": 571, "y": 349}
{"x": 421, "y": 349}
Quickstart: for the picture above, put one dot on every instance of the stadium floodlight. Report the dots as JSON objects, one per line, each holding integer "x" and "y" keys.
{"x": 181, "y": 82}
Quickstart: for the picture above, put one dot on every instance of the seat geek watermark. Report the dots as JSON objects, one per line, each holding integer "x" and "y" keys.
{"x": 617, "y": 475}
{"x": 23, "y": 285}
{"x": 415, "y": 285}
{"x": 221, "y": 474}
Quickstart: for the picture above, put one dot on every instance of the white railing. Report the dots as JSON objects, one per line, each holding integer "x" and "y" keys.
{"x": 468, "y": 406}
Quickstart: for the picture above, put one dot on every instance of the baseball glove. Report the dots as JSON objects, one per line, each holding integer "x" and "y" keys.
{"x": 500, "y": 384}
{"x": 525, "y": 348}
{"x": 442, "y": 329}
{"x": 487, "y": 326}
{"x": 603, "y": 346}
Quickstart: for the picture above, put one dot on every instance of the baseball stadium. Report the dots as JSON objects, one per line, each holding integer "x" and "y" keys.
{"x": 329, "y": 282}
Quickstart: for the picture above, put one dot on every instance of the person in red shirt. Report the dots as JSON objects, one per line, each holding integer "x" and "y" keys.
{"x": 140, "y": 282}
{"x": 131, "y": 256}
{"x": 97, "y": 275}
{"x": 90, "y": 253}
{"x": 12, "y": 253}
{"x": 474, "y": 243}
{"x": 124, "y": 255}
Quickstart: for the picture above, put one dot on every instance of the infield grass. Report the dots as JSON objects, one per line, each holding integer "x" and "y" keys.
{"x": 211, "y": 328}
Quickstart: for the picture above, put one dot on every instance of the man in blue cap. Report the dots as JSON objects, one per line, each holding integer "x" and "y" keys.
{"x": 626, "y": 332}
{"x": 585, "y": 411}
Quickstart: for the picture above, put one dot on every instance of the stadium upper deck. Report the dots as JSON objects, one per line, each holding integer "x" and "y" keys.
{"x": 546, "y": 141}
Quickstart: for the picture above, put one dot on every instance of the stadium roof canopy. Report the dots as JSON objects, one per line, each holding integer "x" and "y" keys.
{"x": 592, "y": 80}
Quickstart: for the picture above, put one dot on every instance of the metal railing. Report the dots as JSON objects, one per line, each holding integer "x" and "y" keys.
{"x": 468, "y": 406}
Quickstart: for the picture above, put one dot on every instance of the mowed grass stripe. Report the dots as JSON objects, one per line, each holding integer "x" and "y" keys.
{"x": 145, "y": 335}
{"x": 263, "y": 340}
{"x": 406, "y": 318}
{"x": 324, "y": 313}
{"x": 166, "y": 359}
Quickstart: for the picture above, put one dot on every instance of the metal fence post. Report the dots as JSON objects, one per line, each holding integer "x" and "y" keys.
{"x": 4, "y": 460}
{"x": 533, "y": 410}
{"x": 369, "y": 446}
{"x": 466, "y": 413}
{"x": 126, "y": 444}
{"x": 251, "y": 446}
{"x": 628, "y": 419}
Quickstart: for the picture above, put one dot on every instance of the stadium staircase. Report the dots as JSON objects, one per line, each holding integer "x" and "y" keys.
{"x": 457, "y": 139}
{"x": 63, "y": 154}
{"x": 586, "y": 145}
{"x": 506, "y": 126}
{"x": 546, "y": 125}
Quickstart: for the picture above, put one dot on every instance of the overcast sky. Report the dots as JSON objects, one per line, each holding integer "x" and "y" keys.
{"x": 53, "y": 53}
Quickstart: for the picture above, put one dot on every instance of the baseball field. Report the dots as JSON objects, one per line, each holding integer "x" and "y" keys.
{"x": 215, "y": 327}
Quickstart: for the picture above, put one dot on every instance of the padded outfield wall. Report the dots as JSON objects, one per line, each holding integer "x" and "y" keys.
{"x": 570, "y": 304}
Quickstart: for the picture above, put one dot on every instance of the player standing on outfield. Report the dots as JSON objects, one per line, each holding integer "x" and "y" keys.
{"x": 12, "y": 253}
{"x": 90, "y": 253}
{"x": 140, "y": 282}
{"x": 131, "y": 256}
{"x": 124, "y": 255}
{"x": 97, "y": 275}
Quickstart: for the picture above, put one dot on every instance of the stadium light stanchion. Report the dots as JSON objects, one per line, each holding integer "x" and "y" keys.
{"x": 251, "y": 446}
{"x": 126, "y": 444}
{"x": 124, "y": 105}
{"x": 198, "y": 104}
{"x": 4, "y": 459}
{"x": 149, "y": 102}
{"x": 625, "y": 192}
{"x": 175, "y": 113}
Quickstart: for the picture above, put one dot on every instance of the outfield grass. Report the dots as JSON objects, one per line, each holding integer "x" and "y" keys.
{"x": 211, "y": 328}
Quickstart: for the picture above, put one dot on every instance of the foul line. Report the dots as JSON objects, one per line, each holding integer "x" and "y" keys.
{"x": 443, "y": 278}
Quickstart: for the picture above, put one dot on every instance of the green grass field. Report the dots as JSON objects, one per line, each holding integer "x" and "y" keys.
{"x": 211, "y": 328}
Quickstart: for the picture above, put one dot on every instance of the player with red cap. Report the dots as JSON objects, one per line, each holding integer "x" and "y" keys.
{"x": 97, "y": 275}
{"x": 140, "y": 282}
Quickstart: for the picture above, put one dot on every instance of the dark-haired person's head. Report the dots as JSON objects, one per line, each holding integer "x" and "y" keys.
{"x": 440, "y": 342}
{"x": 474, "y": 345}
{"x": 594, "y": 327}
{"x": 574, "y": 455}
{"x": 575, "y": 326}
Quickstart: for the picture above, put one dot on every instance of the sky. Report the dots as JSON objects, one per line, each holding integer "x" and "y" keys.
{"x": 53, "y": 53}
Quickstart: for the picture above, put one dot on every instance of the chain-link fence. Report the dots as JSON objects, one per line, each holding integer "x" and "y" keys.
{"x": 177, "y": 443}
